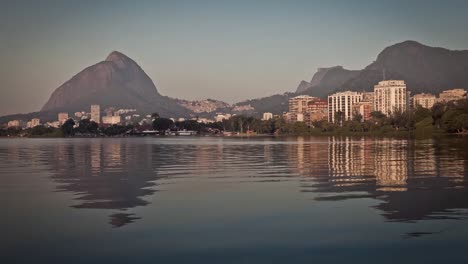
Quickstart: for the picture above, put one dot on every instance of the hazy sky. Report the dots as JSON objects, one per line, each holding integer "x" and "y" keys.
{"x": 226, "y": 50}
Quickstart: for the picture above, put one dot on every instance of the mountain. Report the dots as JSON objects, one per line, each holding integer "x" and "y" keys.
{"x": 117, "y": 81}
{"x": 303, "y": 86}
{"x": 327, "y": 80}
{"x": 424, "y": 68}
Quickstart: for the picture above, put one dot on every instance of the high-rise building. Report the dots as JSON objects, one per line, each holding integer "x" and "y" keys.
{"x": 62, "y": 117}
{"x": 300, "y": 103}
{"x": 96, "y": 113}
{"x": 342, "y": 103}
{"x": 390, "y": 96}
{"x": 424, "y": 100}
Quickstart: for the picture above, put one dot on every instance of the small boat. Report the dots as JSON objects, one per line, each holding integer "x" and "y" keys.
{"x": 186, "y": 133}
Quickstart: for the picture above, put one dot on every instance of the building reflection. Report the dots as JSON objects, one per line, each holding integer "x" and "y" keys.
{"x": 413, "y": 180}
{"x": 390, "y": 165}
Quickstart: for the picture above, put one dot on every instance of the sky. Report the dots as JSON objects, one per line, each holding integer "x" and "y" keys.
{"x": 225, "y": 50}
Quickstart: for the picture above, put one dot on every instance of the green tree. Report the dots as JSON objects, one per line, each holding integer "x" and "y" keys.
{"x": 437, "y": 111}
{"x": 86, "y": 126}
{"x": 461, "y": 122}
{"x": 162, "y": 124}
{"x": 155, "y": 115}
{"x": 421, "y": 113}
{"x": 339, "y": 117}
{"x": 67, "y": 127}
{"x": 357, "y": 117}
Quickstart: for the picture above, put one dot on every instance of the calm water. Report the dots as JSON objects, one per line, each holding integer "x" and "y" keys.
{"x": 228, "y": 200}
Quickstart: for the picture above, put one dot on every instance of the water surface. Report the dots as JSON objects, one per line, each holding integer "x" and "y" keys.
{"x": 234, "y": 200}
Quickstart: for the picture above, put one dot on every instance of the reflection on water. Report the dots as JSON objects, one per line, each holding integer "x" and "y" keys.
{"x": 254, "y": 200}
{"x": 411, "y": 180}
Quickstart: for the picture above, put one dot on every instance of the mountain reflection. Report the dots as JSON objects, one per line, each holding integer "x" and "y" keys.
{"x": 412, "y": 179}
{"x": 107, "y": 175}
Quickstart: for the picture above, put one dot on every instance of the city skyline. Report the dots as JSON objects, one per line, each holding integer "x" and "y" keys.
{"x": 193, "y": 51}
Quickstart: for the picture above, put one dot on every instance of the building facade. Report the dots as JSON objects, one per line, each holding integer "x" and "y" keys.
{"x": 62, "y": 117}
{"x": 34, "y": 122}
{"x": 343, "y": 103}
{"x": 221, "y": 117}
{"x": 111, "y": 120}
{"x": 389, "y": 96}
{"x": 299, "y": 104}
{"x": 452, "y": 95}
{"x": 424, "y": 100}
{"x": 364, "y": 108}
{"x": 13, "y": 123}
{"x": 96, "y": 113}
{"x": 267, "y": 116}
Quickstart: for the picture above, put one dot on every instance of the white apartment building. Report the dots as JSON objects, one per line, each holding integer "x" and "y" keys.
{"x": 267, "y": 116}
{"x": 389, "y": 96}
{"x": 221, "y": 117}
{"x": 424, "y": 100}
{"x": 342, "y": 102}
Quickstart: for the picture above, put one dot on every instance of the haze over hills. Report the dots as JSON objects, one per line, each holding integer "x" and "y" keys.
{"x": 423, "y": 68}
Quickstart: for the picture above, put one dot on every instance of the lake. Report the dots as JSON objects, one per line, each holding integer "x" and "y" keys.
{"x": 234, "y": 200}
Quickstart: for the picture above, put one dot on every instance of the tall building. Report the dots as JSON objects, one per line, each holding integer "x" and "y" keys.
{"x": 96, "y": 113}
{"x": 424, "y": 100}
{"x": 300, "y": 103}
{"x": 452, "y": 95}
{"x": 342, "y": 102}
{"x": 267, "y": 116}
{"x": 62, "y": 117}
{"x": 389, "y": 96}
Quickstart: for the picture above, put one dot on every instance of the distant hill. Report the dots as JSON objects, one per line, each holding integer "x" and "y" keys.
{"x": 276, "y": 104}
{"x": 117, "y": 81}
